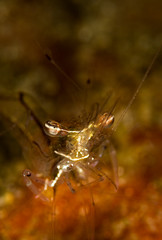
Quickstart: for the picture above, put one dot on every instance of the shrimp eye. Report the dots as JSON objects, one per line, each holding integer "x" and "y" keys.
{"x": 110, "y": 121}
{"x": 28, "y": 174}
{"x": 106, "y": 120}
{"x": 52, "y": 128}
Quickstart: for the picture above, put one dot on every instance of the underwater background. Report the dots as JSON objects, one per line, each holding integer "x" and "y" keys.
{"x": 103, "y": 46}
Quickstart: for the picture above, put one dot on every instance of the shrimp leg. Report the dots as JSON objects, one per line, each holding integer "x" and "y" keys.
{"x": 29, "y": 179}
{"x": 113, "y": 158}
{"x": 114, "y": 162}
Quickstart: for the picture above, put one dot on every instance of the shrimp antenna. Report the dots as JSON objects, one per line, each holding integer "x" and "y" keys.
{"x": 48, "y": 55}
{"x": 137, "y": 90}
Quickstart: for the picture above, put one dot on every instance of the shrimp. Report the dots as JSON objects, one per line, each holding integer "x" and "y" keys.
{"x": 66, "y": 154}
{"x": 80, "y": 145}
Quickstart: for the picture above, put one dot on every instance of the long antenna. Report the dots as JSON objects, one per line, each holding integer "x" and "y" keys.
{"x": 137, "y": 90}
{"x": 50, "y": 58}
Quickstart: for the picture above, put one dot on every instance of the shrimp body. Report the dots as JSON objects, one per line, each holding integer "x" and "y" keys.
{"x": 77, "y": 142}
{"x": 78, "y": 150}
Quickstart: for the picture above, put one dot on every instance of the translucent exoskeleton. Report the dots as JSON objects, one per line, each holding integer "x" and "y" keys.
{"x": 83, "y": 148}
{"x": 60, "y": 154}
{"x": 79, "y": 153}
{"x": 64, "y": 153}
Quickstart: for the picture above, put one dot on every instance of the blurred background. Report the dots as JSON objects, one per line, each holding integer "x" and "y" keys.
{"x": 102, "y": 46}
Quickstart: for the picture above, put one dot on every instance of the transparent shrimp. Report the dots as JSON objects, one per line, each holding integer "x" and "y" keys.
{"x": 64, "y": 153}
{"x": 79, "y": 152}
{"x": 80, "y": 146}
{"x": 76, "y": 152}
